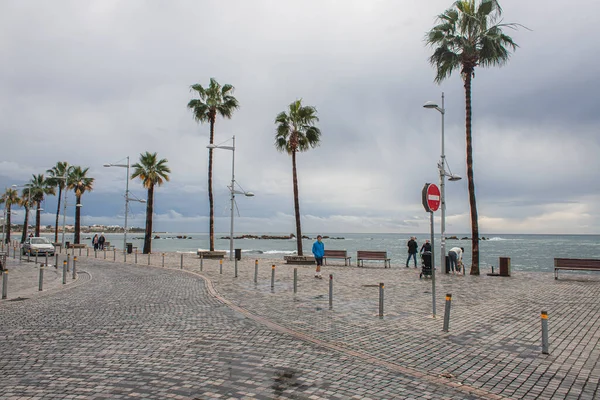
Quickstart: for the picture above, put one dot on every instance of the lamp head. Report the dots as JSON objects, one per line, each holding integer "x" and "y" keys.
{"x": 211, "y": 146}
{"x": 430, "y": 104}
{"x": 249, "y": 194}
{"x": 79, "y": 205}
{"x": 107, "y": 165}
{"x": 454, "y": 177}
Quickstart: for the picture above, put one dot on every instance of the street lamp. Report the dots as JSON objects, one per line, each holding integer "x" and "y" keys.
{"x": 231, "y": 188}
{"x": 127, "y": 199}
{"x": 443, "y": 175}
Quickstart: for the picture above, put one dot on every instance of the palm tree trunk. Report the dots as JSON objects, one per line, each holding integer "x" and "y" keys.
{"x": 297, "y": 205}
{"x": 149, "y": 211}
{"x": 57, "y": 215}
{"x": 38, "y": 214}
{"x": 8, "y": 210}
{"x": 25, "y": 223}
{"x": 474, "y": 225}
{"x": 77, "y": 220}
{"x": 210, "y": 189}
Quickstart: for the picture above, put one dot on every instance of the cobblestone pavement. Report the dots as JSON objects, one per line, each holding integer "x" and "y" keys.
{"x": 124, "y": 331}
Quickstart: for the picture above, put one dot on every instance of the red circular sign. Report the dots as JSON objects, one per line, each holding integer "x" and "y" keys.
{"x": 434, "y": 197}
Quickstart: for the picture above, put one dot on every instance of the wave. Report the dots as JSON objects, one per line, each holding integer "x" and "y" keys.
{"x": 279, "y": 252}
{"x": 495, "y": 239}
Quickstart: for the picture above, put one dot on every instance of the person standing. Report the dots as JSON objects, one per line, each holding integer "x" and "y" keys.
{"x": 318, "y": 250}
{"x": 101, "y": 241}
{"x": 455, "y": 254}
{"x": 412, "y": 250}
{"x": 95, "y": 242}
{"x": 426, "y": 247}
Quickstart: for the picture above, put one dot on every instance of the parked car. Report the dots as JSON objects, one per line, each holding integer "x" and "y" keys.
{"x": 41, "y": 245}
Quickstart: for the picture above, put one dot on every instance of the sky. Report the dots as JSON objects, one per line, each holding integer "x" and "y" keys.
{"x": 93, "y": 82}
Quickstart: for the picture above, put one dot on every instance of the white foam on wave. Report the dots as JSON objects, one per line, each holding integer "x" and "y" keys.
{"x": 495, "y": 239}
{"x": 280, "y": 252}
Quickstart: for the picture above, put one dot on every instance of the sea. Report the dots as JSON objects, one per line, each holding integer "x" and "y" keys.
{"x": 527, "y": 252}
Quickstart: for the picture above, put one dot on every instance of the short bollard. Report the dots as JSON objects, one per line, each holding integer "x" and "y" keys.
{"x": 331, "y": 292}
{"x": 55, "y": 260}
{"x": 447, "y": 312}
{"x": 125, "y": 255}
{"x": 544, "y": 316}
{"x": 20, "y": 254}
{"x": 148, "y": 258}
{"x": 136, "y": 256}
{"x": 295, "y": 280}
{"x": 221, "y": 266}
{"x": 28, "y": 254}
{"x": 235, "y": 268}
{"x": 114, "y": 254}
{"x": 41, "y": 280}
{"x": 381, "y": 286}
{"x": 105, "y": 254}
{"x": 80, "y": 252}
{"x": 74, "y": 267}
{"x": 255, "y": 271}
{"x": 181, "y": 264}
{"x": 95, "y": 253}
{"x": 201, "y": 262}
{"x": 273, "y": 276}
{"x": 68, "y": 262}
{"x": 46, "y": 259}
{"x": 5, "y": 284}
{"x": 87, "y": 252}
{"x": 36, "y": 257}
{"x": 65, "y": 272}
{"x": 163, "y": 260}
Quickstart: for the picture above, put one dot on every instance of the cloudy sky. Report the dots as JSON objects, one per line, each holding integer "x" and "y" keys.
{"x": 92, "y": 82}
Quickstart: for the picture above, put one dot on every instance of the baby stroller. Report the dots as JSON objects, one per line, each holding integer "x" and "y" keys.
{"x": 425, "y": 264}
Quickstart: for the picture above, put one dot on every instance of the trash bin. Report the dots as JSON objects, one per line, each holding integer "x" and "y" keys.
{"x": 129, "y": 248}
{"x": 504, "y": 263}
{"x": 447, "y": 264}
{"x": 238, "y": 254}
{"x": 67, "y": 244}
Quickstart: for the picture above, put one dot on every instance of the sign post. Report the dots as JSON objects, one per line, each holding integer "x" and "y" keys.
{"x": 431, "y": 202}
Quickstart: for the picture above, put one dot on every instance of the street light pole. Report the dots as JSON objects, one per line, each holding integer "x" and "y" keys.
{"x": 64, "y": 206}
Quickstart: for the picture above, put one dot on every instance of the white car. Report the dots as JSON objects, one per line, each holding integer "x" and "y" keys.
{"x": 41, "y": 245}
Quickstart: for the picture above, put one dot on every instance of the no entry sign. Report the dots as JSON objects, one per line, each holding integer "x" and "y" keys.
{"x": 431, "y": 197}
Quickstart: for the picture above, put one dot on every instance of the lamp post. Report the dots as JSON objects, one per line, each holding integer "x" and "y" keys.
{"x": 231, "y": 188}
{"x": 443, "y": 175}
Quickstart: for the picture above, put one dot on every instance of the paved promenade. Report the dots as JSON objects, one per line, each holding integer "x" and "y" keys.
{"x": 122, "y": 330}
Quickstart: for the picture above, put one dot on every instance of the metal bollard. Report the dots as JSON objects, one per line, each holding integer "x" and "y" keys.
{"x": 331, "y": 292}
{"x": 65, "y": 272}
{"x": 181, "y": 265}
{"x": 273, "y": 276}
{"x": 163, "y": 260}
{"x": 74, "y": 267}
{"x": 95, "y": 253}
{"x": 105, "y": 254}
{"x": 55, "y": 260}
{"x": 36, "y": 257}
{"x": 447, "y": 312}
{"x": 28, "y": 254}
{"x": 41, "y": 281}
{"x": 255, "y": 271}
{"x": 201, "y": 262}
{"x": 221, "y": 266}
{"x": 5, "y": 284}
{"x": 381, "y": 286}
{"x": 68, "y": 262}
{"x": 20, "y": 254}
{"x": 80, "y": 252}
{"x": 125, "y": 255}
{"x": 87, "y": 252}
{"x": 136, "y": 256}
{"x": 295, "y": 280}
{"x": 235, "y": 268}
{"x": 114, "y": 254}
{"x": 46, "y": 259}
{"x": 148, "y": 258}
{"x": 544, "y": 316}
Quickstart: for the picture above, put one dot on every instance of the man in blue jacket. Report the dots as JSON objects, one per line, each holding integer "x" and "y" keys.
{"x": 318, "y": 251}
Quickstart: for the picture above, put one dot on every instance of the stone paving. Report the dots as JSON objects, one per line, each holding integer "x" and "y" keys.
{"x": 133, "y": 331}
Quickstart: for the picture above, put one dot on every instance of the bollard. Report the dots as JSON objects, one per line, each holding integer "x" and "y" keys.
{"x": 68, "y": 262}
{"x": 201, "y": 262}
{"x": 447, "y": 312}
{"x": 331, "y": 292}
{"x": 15, "y": 252}
{"x": 236, "y": 268}
{"x": 295, "y": 280}
{"x": 255, "y": 271}
{"x": 20, "y": 254}
{"x": 95, "y": 253}
{"x": 273, "y": 276}
{"x": 544, "y": 316}
{"x": 28, "y": 255}
{"x": 105, "y": 254}
{"x": 80, "y": 252}
{"x": 114, "y": 254}
{"x": 125, "y": 255}
{"x": 65, "y": 272}
{"x": 55, "y": 260}
{"x": 87, "y": 252}
{"x": 41, "y": 281}
{"x": 163, "y": 260}
{"x": 36, "y": 257}
{"x": 181, "y": 265}
{"x": 74, "y": 267}
{"x": 381, "y": 286}
{"x": 148, "y": 258}
{"x": 136, "y": 256}
{"x": 221, "y": 266}
{"x": 5, "y": 284}
{"x": 46, "y": 259}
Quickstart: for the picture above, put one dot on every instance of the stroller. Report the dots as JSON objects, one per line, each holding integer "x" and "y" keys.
{"x": 425, "y": 264}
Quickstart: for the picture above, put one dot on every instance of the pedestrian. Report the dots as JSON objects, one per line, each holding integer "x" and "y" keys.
{"x": 412, "y": 250}
{"x": 318, "y": 250}
{"x": 95, "y": 242}
{"x": 455, "y": 254}
{"x": 101, "y": 241}
{"x": 426, "y": 247}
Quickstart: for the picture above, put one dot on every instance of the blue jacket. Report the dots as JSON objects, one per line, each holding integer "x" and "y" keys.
{"x": 318, "y": 249}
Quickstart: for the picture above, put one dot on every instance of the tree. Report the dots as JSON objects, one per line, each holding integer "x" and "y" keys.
{"x": 468, "y": 36}
{"x": 58, "y": 178}
{"x": 25, "y": 202}
{"x": 296, "y": 131}
{"x": 215, "y": 99}
{"x": 40, "y": 187}
{"x": 80, "y": 183}
{"x": 151, "y": 172}
{"x": 8, "y": 198}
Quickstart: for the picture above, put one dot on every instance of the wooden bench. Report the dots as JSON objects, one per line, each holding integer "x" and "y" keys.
{"x": 372, "y": 255}
{"x": 77, "y": 245}
{"x": 337, "y": 254}
{"x": 575, "y": 264}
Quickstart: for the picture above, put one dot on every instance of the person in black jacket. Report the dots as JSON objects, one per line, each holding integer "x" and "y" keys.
{"x": 426, "y": 247}
{"x": 412, "y": 250}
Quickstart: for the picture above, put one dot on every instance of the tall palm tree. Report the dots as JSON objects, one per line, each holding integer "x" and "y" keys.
{"x": 8, "y": 198}
{"x": 40, "y": 187}
{"x": 58, "y": 178}
{"x": 80, "y": 183}
{"x": 151, "y": 172}
{"x": 296, "y": 131}
{"x": 470, "y": 35}
{"x": 215, "y": 99}
{"x": 25, "y": 202}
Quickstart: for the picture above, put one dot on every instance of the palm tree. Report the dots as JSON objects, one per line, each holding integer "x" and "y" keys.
{"x": 40, "y": 187}
{"x": 215, "y": 99}
{"x": 467, "y": 36}
{"x": 58, "y": 178}
{"x": 151, "y": 172}
{"x": 25, "y": 202}
{"x": 80, "y": 183}
{"x": 296, "y": 132}
{"x": 8, "y": 198}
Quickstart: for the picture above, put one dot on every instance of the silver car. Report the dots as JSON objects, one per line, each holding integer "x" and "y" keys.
{"x": 41, "y": 245}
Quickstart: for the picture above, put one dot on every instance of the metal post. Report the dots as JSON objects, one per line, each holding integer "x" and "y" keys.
{"x": 15, "y": 253}
{"x": 114, "y": 254}
{"x": 125, "y": 256}
{"x": 255, "y": 271}
{"x": 201, "y": 262}
{"x": 36, "y": 257}
{"x": 432, "y": 267}
{"x": 181, "y": 265}
{"x": 544, "y": 316}
{"x": 87, "y": 252}
{"x": 295, "y": 280}
{"x": 41, "y": 280}
{"x": 163, "y": 260}
{"x": 46, "y": 259}
{"x": 68, "y": 262}
{"x": 221, "y": 266}
{"x": 5, "y": 284}
{"x": 236, "y": 268}
{"x": 64, "y": 272}
{"x": 105, "y": 254}
{"x": 273, "y": 276}
{"x": 331, "y": 292}
{"x": 232, "y": 198}
{"x": 136, "y": 256}
{"x": 148, "y": 258}
{"x": 447, "y": 312}
{"x": 28, "y": 254}
{"x": 55, "y": 260}
{"x": 74, "y": 267}
{"x": 80, "y": 252}
{"x": 381, "y": 287}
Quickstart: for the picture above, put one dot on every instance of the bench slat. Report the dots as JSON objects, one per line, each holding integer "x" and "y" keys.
{"x": 372, "y": 255}
{"x": 575, "y": 264}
